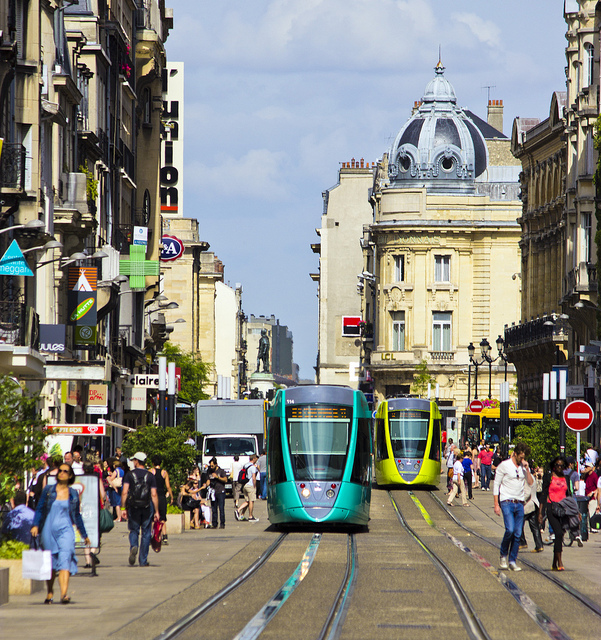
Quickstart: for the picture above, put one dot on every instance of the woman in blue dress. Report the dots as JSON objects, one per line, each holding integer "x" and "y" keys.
{"x": 56, "y": 513}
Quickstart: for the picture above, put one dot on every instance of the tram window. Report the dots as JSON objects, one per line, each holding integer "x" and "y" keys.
{"x": 381, "y": 448}
{"x": 318, "y": 438}
{"x": 435, "y": 446}
{"x": 361, "y": 464}
{"x": 409, "y": 433}
{"x": 275, "y": 459}
{"x": 491, "y": 430}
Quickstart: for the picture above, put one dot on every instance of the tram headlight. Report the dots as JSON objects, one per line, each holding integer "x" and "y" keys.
{"x": 401, "y": 465}
{"x": 416, "y": 466}
{"x": 330, "y": 493}
{"x": 305, "y": 492}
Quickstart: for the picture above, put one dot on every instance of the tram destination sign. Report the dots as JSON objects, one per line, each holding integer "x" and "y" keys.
{"x": 578, "y": 415}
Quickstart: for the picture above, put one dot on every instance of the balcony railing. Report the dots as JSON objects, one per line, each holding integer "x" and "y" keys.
{"x": 19, "y": 325}
{"x": 12, "y": 166}
{"x": 537, "y": 331}
{"x": 442, "y": 355}
{"x": 582, "y": 279}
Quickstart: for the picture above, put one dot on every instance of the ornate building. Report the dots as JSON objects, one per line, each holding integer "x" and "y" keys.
{"x": 441, "y": 251}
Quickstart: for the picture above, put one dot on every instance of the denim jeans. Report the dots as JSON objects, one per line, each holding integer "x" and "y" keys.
{"x": 140, "y": 519}
{"x": 513, "y": 517}
{"x": 485, "y": 470}
{"x": 264, "y": 486}
{"x": 218, "y": 503}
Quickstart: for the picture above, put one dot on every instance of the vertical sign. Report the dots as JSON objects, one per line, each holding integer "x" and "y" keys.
{"x": 172, "y": 141}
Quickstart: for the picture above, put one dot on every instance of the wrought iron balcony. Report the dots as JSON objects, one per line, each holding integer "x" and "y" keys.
{"x": 19, "y": 325}
{"x": 12, "y": 166}
{"x": 442, "y": 355}
{"x": 548, "y": 328}
{"x": 582, "y": 279}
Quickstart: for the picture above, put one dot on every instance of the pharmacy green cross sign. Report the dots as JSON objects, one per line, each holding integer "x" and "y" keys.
{"x": 137, "y": 267}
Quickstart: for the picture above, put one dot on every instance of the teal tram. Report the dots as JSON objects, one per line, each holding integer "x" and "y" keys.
{"x": 319, "y": 456}
{"x": 407, "y": 442}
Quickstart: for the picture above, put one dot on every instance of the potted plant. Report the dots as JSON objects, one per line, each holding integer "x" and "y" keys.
{"x": 175, "y": 520}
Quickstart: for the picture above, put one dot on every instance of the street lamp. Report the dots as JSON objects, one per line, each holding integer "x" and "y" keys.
{"x": 73, "y": 258}
{"x": 484, "y": 348}
{"x": 52, "y": 244}
{"x": 32, "y": 224}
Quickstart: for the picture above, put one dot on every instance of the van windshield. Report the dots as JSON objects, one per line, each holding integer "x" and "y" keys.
{"x": 229, "y": 446}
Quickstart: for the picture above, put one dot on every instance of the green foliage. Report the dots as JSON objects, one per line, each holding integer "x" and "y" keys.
{"x": 12, "y": 550}
{"x": 421, "y": 379}
{"x": 173, "y": 508}
{"x": 543, "y": 439}
{"x": 91, "y": 183}
{"x": 195, "y": 373}
{"x": 170, "y": 443}
{"x": 22, "y": 434}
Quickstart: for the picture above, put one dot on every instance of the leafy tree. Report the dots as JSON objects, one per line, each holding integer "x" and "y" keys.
{"x": 169, "y": 442}
{"x": 421, "y": 379}
{"x": 543, "y": 439}
{"x": 22, "y": 433}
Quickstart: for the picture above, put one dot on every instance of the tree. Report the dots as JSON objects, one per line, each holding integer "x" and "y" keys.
{"x": 421, "y": 379}
{"x": 22, "y": 434}
{"x": 169, "y": 442}
{"x": 543, "y": 440}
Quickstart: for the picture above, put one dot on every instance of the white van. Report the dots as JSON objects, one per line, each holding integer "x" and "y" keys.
{"x": 224, "y": 446}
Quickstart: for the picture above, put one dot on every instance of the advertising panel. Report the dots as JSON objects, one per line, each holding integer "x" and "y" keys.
{"x": 82, "y": 284}
{"x": 52, "y": 338}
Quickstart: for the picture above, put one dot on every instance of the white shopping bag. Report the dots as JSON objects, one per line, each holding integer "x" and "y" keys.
{"x": 37, "y": 564}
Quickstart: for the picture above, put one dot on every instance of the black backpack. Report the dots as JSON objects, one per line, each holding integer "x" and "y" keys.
{"x": 139, "y": 494}
{"x": 243, "y": 476}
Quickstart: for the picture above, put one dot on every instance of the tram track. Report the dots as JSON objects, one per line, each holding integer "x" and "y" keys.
{"x": 577, "y": 595}
{"x": 334, "y": 619}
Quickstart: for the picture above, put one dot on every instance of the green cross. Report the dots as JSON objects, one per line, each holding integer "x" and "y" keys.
{"x": 137, "y": 267}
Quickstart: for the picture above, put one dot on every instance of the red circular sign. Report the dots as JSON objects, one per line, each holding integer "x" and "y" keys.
{"x": 476, "y": 406}
{"x": 578, "y": 415}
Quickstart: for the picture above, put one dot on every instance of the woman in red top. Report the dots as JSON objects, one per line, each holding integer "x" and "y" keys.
{"x": 555, "y": 489}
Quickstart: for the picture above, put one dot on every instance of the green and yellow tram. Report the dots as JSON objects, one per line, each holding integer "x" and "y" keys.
{"x": 319, "y": 456}
{"x": 407, "y": 442}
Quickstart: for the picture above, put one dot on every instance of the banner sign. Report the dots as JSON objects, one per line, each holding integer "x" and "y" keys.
{"x": 173, "y": 248}
{"x": 144, "y": 380}
{"x": 89, "y": 503}
{"x": 85, "y": 429}
{"x": 71, "y": 392}
{"x": 84, "y": 336}
{"x": 134, "y": 398}
{"x": 97, "y": 395}
{"x": 82, "y": 285}
{"x": 141, "y": 235}
{"x": 52, "y": 338}
{"x": 13, "y": 262}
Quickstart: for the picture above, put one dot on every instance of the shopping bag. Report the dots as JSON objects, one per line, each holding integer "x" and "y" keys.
{"x": 155, "y": 541}
{"x": 596, "y": 522}
{"x": 37, "y": 564}
{"x": 106, "y": 521}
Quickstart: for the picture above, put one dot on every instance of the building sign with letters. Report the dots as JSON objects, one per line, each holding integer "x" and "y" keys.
{"x": 52, "y": 338}
{"x": 172, "y": 141}
{"x": 145, "y": 380}
{"x": 77, "y": 429}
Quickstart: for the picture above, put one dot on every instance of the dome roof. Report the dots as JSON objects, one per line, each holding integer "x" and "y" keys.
{"x": 439, "y": 147}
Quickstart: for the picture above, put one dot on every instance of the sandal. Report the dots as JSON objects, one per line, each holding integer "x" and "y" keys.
{"x": 65, "y": 600}
{"x": 48, "y": 601}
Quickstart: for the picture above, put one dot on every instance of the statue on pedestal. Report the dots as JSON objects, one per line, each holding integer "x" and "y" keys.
{"x": 263, "y": 352}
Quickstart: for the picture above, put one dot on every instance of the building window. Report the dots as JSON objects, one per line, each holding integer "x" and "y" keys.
{"x": 586, "y": 237}
{"x": 351, "y": 326}
{"x": 441, "y": 331}
{"x": 590, "y": 64}
{"x": 398, "y": 330}
{"x": 399, "y": 268}
{"x": 442, "y": 268}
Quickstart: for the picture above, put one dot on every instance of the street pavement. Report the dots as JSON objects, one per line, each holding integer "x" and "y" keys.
{"x": 114, "y": 603}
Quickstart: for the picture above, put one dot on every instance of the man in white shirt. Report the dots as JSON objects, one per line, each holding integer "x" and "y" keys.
{"x": 458, "y": 482}
{"x": 509, "y": 496}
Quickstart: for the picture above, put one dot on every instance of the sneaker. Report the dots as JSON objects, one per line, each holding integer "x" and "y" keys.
{"x": 146, "y": 564}
{"x": 503, "y": 563}
{"x": 483, "y": 488}
{"x": 222, "y": 526}
{"x": 579, "y": 541}
{"x": 488, "y": 488}
{"x": 133, "y": 552}
{"x": 514, "y": 567}
{"x": 253, "y": 519}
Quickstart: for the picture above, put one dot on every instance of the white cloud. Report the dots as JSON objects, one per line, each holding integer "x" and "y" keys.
{"x": 485, "y": 31}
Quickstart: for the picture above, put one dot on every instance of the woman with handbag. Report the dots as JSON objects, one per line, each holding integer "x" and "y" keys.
{"x": 189, "y": 501}
{"x": 115, "y": 481}
{"x": 56, "y": 514}
{"x": 555, "y": 489}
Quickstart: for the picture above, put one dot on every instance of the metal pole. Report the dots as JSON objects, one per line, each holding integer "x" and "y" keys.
{"x": 545, "y": 394}
{"x": 563, "y": 379}
{"x": 489, "y": 379}
{"x": 476, "y": 380}
{"x": 469, "y": 382}
{"x": 162, "y": 390}
{"x": 171, "y": 394}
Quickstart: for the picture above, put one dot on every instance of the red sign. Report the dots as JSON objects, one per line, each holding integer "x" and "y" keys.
{"x": 77, "y": 429}
{"x": 578, "y": 415}
{"x": 476, "y": 406}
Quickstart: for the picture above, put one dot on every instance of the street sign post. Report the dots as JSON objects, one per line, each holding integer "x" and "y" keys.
{"x": 476, "y": 406}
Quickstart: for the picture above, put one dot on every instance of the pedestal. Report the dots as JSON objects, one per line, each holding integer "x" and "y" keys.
{"x": 262, "y": 381}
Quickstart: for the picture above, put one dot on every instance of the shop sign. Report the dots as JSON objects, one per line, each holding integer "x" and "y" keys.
{"x": 52, "y": 338}
{"x": 173, "y": 248}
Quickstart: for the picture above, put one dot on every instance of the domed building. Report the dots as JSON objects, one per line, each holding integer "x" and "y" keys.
{"x": 441, "y": 253}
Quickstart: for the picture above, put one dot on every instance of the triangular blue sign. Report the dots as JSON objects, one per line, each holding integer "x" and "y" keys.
{"x": 13, "y": 262}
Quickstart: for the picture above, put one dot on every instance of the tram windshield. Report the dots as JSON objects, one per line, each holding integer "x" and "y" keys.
{"x": 229, "y": 446}
{"x": 408, "y": 433}
{"x": 318, "y": 437}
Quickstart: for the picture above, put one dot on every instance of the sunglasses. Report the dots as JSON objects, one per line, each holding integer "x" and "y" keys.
{"x": 63, "y": 470}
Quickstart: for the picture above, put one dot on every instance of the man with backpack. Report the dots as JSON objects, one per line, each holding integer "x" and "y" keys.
{"x": 249, "y": 490}
{"x": 139, "y": 496}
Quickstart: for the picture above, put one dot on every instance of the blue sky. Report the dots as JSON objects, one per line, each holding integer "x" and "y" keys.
{"x": 280, "y": 92}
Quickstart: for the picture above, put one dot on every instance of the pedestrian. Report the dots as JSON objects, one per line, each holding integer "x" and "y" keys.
{"x": 115, "y": 482}
{"x": 485, "y": 457}
{"x": 531, "y": 511}
{"x": 77, "y": 463}
{"x": 56, "y": 514}
{"x": 468, "y": 464}
{"x": 450, "y": 455}
{"x": 237, "y": 466}
{"x": 250, "y": 492}
{"x": 458, "y": 482}
{"x": 475, "y": 469}
{"x": 139, "y": 497}
{"x": 161, "y": 477}
{"x": 262, "y": 467}
{"x": 17, "y": 523}
{"x": 590, "y": 489}
{"x": 217, "y": 478}
{"x": 509, "y": 497}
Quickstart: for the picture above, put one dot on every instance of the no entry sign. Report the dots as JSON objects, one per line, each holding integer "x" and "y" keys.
{"x": 578, "y": 415}
{"x": 476, "y": 406}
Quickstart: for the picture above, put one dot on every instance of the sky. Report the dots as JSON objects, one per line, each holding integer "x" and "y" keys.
{"x": 278, "y": 93}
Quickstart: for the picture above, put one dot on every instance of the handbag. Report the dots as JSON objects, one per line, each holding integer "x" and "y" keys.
{"x": 116, "y": 483}
{"x": 106, "y": 521}
{"x": 155, "y": 541}
{"x": 595, "y": 522}
{"x": 37, "y": 564}
{"x": 558, "y": 510}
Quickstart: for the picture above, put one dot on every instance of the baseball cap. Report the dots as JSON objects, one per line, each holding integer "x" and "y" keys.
{"x": 139, "y": 456}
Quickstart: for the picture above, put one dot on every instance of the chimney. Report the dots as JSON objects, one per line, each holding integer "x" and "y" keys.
{"x": 495, "y": 114}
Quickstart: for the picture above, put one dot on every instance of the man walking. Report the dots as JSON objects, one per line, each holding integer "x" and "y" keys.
{"x": 139, "y": 496}
{"x": 250, "y": 491}
{"x": 509, "y": 496}
{"x": 262, "y": 467}
{"x": 485, "y": 456}
{"x": 217, "y": 478}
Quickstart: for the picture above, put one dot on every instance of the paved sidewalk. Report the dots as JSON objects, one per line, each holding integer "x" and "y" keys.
{"x": 120, "y": 593}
